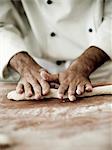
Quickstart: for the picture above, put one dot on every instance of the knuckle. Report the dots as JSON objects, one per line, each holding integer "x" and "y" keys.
{"x": 28, "y": 76}
{"x": 26, "y": 85}
{"x": 71, "y": 92}
{"x": 34, "y": 82}
{"x": 82, "y": 82}
{"x": 42, "y": 82}
{"x": 46, "y": 88}
{"x": 37, "y": 89}
{"x": 61, "y": 90}
{"x": 64, "y": 84}
{"x": 47, "y": 85}
{"x": 72, "y": 86}
{"x": 36, "y": 86}
{"x": 80, "y": 85}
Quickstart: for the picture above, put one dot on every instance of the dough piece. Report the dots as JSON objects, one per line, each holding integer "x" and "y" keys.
{"x": 99, "y": 90}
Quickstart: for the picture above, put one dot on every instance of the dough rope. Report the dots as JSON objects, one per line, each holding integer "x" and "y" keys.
{"x": 99, "y": 90}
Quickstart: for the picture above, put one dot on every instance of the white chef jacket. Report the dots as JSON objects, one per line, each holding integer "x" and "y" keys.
{"x": 55, "y": 30}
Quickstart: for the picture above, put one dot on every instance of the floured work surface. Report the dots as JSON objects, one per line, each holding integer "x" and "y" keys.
{"x": 50, "y": 124}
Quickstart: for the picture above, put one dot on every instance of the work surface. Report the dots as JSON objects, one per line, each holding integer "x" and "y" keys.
{"x": 53, "y": 125}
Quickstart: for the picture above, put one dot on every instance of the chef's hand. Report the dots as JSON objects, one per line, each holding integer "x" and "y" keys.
{"x": 72, "y": 81}
{"x": 75, "y": 80}
{"x": 30, "y": 80}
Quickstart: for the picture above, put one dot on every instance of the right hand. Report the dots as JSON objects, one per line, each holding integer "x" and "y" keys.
{"x": 31, "y": 83}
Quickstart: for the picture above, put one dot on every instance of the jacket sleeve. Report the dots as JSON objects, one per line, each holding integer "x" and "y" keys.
{"x": 11, "y": 37}
{"x": 103, "y": 36}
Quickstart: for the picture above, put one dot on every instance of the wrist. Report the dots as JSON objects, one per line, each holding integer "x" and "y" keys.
{"x": 22, "y": 62}
{"x": 90, "y": 60}
{"x": 78, "y": 66}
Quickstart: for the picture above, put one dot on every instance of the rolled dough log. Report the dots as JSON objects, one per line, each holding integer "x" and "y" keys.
{"x": 99, "y": 90}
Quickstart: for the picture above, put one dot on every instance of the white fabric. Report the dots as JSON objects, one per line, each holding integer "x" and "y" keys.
{"x": 69, "y": 19}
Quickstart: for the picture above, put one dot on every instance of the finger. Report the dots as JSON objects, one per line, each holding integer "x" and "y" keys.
{"x": 62, "y": 89}
{"x": 36, "y": 89}
{"x": 88, "y": 87}
{"x": 71, "y": 92}
{"x": 80, "y": 89}
{"x": 48, "y": 77}
{"x": 20, "y": 88}
{"x": 28, "y": 89}
{"x": 45, "y": 87}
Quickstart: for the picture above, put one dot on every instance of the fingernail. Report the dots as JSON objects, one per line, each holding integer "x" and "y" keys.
{"x": 88, "y": 89}
{"x": 78, "y": 92}
{"x": 44, "y": 75}
{"x": 72, "y": 98}
{"x": 60, "y": 96}
{"x": 45, "y": 92}
{"x": 20, "y": 91}
{"x": 30, "y": 94}
{"x": 38, "y": 97}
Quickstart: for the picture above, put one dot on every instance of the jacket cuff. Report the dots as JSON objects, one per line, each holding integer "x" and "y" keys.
{"x": 103, "y": 38}
{"x": 10, "y": 44}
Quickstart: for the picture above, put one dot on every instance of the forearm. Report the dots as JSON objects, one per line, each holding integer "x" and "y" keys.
{"x": 23, "y": 61}
{"x": 90, "y": 60}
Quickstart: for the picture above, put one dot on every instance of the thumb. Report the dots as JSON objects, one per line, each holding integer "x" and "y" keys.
{"x": 48, "y": 77}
